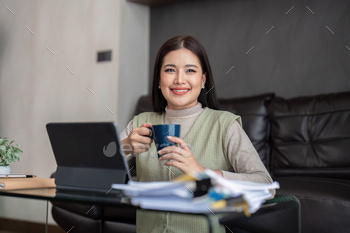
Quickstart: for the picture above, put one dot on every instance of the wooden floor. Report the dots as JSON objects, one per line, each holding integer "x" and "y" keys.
{"x": 18, "y": 226}
{"x": 14, "y": 231}
{"x": 3, "y": 231}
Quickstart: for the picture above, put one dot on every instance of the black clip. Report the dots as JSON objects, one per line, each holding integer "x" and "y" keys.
{"x": 202, "y": 187}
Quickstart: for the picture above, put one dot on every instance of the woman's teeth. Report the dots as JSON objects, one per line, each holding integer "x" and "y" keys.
{"x": 180, "y": 90}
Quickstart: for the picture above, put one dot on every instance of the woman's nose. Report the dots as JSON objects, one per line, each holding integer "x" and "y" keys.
{"x": 180, "y": 78}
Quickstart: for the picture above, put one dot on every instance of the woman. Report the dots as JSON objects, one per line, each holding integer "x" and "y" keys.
{"x": 183, "y": 93}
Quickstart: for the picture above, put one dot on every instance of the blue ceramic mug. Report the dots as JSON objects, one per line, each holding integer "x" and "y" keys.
{"x": 161, "y": 132}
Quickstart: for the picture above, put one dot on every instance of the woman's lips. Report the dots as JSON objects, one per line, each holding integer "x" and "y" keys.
{"x": 180, "y": 91}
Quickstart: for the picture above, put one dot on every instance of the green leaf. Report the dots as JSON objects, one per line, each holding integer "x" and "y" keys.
{"x": 2, "y": 148}
{"x": 8, "y": 152}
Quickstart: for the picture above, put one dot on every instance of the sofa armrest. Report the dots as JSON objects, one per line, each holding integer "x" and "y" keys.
{"x": 278, "y": 215}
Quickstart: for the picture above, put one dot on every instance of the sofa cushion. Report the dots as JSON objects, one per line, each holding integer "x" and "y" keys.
{"x": 73, "y": 222}
{"x": 311, "y": 135}
{"x": 86, "y": 210}
{"x": 256, "y": 123}
{"x": 144, "y": 104}
{"x": 278, "y": 215}
{"x": 124, "y": 214}
{"x": 114, "y": 227}
{"x": 324, "y": 202}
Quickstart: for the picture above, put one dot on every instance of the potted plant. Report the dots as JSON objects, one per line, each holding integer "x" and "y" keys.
{"x": 8, "y": 154}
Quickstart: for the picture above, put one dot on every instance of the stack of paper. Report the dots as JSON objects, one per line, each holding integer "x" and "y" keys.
{"x": 180, "y": 195}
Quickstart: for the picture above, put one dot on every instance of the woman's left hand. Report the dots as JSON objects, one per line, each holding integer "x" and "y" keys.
{"x": 180, "y": 157}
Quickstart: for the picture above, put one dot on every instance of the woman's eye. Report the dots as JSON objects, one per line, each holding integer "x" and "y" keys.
{"x": 169, "y": 70}
{"x": 191, "y": 71}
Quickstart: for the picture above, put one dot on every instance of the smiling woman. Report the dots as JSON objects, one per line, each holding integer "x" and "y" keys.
{"x": 181, "y": 79}
{"x": 197, "y": 60}
{"x": 183, "y": 93}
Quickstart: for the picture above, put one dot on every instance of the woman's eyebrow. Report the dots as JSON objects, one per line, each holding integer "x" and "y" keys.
{"x": 171, "y": 65}
{"x": 191, "y": 65}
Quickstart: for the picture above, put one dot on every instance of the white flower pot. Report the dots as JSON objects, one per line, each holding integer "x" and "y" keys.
{"x": 5, "y": 170}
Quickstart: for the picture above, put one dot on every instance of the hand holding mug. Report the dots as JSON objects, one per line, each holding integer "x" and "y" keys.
{"x": 180, "y": 157}
{"x": 139, "y": 140}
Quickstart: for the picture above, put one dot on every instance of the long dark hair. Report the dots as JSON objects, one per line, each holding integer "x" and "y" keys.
{"x": 207, "y": 96}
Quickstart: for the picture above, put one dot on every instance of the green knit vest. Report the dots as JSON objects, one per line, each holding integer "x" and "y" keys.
{"x": 207, "y": 140}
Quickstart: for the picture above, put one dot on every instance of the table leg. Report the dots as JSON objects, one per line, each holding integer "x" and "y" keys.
{"x": 213, "y": 221}
{"x": 47, "y": 217}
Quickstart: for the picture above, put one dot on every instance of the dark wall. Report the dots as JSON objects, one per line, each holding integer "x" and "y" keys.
{"x": 294, "y": 52}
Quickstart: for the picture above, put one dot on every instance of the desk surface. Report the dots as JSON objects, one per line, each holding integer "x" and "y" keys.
{"x": 52, "y": 194}
{"x": 110, "y": 199}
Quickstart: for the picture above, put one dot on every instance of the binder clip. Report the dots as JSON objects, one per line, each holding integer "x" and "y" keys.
{"x": 202, "y": 187}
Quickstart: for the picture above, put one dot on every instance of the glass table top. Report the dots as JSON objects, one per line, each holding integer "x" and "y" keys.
{"x": 52, "y": 194}
{"x": 111, "y": 199}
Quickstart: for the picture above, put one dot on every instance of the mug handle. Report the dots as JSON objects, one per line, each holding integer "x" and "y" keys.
{"x": 151, "y": 133}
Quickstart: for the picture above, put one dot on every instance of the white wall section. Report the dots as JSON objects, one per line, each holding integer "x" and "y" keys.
{"x": 49, "y": 73}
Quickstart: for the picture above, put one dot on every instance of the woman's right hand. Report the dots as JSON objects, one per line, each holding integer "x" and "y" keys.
{"x": 138, "y": 140}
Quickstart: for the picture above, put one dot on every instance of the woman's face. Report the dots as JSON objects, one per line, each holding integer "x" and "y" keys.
{"x": 181, "y": 79}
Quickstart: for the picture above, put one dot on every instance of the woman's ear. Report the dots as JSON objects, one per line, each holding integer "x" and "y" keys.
{"x": 204, "y": 79}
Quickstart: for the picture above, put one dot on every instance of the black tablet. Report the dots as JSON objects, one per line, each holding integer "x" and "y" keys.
{"x": 88, "y": 155}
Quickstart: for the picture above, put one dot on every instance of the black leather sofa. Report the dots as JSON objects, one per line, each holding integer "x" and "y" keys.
{"x": 305, "y": 144}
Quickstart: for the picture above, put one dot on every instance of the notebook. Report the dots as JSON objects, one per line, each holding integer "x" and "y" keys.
{"x": 88, "y": 156}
